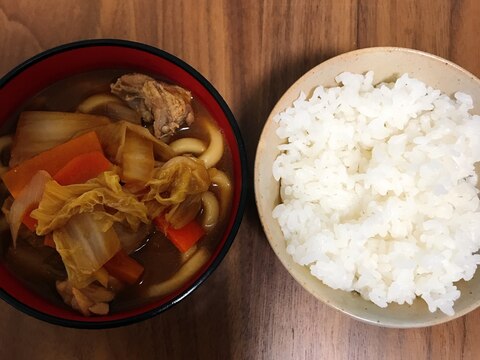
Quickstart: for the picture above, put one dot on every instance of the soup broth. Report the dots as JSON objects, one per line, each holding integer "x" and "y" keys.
{"x": 39, "y": 266}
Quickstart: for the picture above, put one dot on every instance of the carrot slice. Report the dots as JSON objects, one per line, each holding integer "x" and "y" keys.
{"x": 82, "y": 168}
{"x": 51, "y": 161}
{"x": 124, "y": 268}
{"x": 183, "y": 238}
{"x": 78, "y": 170}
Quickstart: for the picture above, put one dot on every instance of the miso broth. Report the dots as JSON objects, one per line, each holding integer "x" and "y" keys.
{"x": 39, "y": 266}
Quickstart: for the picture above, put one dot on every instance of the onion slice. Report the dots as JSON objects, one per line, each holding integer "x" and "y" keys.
{"x": 28, "y": 198}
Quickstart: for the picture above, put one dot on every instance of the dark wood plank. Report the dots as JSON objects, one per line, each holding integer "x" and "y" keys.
{"x": 251, "y": 51}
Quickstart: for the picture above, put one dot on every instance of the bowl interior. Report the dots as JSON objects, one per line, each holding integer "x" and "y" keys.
{"x": 388, "y": 64}
{"x": 39, "y": 72}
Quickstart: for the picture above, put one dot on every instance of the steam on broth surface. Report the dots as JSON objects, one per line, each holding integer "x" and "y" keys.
{"x": 170, "y": 228}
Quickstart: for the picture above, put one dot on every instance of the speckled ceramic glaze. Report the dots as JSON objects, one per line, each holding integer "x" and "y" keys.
{"x": 387, "y": 63}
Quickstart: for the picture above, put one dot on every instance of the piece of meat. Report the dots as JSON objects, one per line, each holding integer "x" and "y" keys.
{"x": 81, "y": 302}
{"x": 99, "y": 308}
{"x": 167, "y": 106}
{"x": 92, "y": 299}
{"x": 98, "y": 294}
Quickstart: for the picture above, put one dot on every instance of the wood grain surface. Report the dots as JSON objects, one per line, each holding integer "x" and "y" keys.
{"x": 251, "y": 51}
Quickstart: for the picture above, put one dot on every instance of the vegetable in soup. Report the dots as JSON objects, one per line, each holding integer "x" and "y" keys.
{"x": 115, "y": 191}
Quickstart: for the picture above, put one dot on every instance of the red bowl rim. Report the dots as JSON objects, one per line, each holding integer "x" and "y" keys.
{"x": 243, "y": 187}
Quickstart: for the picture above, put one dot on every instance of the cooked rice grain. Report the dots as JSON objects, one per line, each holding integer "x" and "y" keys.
{"x": 378, "y": 188}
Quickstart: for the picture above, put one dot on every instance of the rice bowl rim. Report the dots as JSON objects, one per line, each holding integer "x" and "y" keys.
{"x": 271, "y": 226}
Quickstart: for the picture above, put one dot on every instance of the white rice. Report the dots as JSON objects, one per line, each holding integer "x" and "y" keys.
{"x": 378, "y": 189}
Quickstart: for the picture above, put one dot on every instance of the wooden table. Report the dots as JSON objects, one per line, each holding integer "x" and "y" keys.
{"x": 252, "y": 51}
